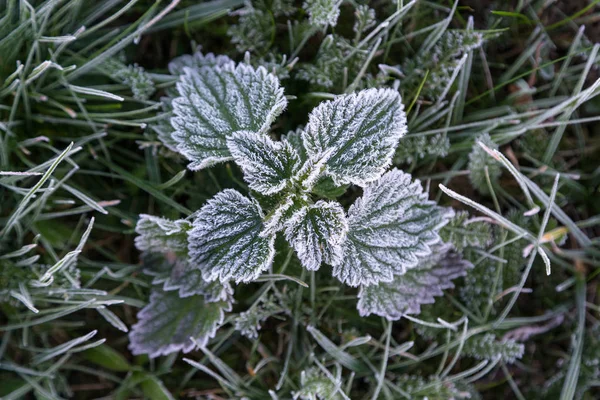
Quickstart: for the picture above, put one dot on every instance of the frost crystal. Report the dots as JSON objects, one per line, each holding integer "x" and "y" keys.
{"x": 226, "y": 241}
{"x": 217, "y": 101}
{"x": 317, "y": 233}
{"x": 170, "y": 323}
{"x": 390, "y": 228}
{"x": 406, "y": 293}
{"x": 359, "y": 132}
{"x": 268, "y": 165}
{"x": 161, "y": 235}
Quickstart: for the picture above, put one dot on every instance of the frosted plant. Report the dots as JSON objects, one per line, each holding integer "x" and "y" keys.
{"x": 315, "y": 385}
{"x": 134, "y": 76}
{"x": 248, "y": 323}
{"x": 323, "y": 13}
{"x": 415, "y": 148}
{"x": 406, "y": 293}
{"x": 462, "y": 231}
{"x": 336, "y": 64}
{"x": 439, "y": 62}
{"x": 171, "y": 323}
{"x": 365, "y": 19}
{"x": 223, "y": 112}
{"x": 254, "y": 31}
{"x": 487, "y": 347}
{"x": 433, "y": 388}
{"x": 479, "y": 160}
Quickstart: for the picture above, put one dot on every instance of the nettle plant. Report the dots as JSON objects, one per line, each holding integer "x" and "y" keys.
{"x": 386, "y": 243}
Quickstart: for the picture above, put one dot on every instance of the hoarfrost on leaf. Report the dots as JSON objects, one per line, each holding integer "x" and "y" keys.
{"x": 226, "y": 241}
{"x": 161, "y": 235}
{"x": 317, "y": 233}
{"x": 217, "y": 101}
{"x": 197, "y": 60}
{"x": 170, "y": 323}
{"x": 391, "y": 227}
{"x": 176, "y": 273}
{"x": 406, "y": 293}
{"x": 357, "y": 134}
{"x": 268, "y": 165}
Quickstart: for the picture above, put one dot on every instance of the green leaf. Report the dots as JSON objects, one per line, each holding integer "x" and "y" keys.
{"x": 227, "y": 241}
{"x": 317, "y": 233}
{"x": 215, "y": 102}
{"x": 170, "y": 323}
{"x": 391, "y": 227}
{"x": 356, "y": 134}
{"x": 406, "y": 293}
{"x": 268, "y": 166}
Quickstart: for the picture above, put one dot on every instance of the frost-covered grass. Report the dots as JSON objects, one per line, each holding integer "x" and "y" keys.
{"x": 299, "y": 199}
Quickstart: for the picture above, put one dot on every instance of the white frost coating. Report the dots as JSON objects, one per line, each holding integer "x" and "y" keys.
{"x": 268, "y": 165}
{"x": 362, "y": 130}
{"x": 317, "y": 233}
{"x": 217, "y": 101}
{"x": 197, "y": 60}
{"x": 179, "y": 275}
{"x": 390, "y": 228}
{"x": 159, "y": 235}
{"x": 169, "y": 323}
{"x": 406, "y": 293}
{"x": 226, "y": 243}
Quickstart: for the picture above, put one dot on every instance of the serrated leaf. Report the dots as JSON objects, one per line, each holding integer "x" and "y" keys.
{"x": 357, "y": 133}
{"x": 169, "y": 323}
{"x": 268, "y": 165}
{"x": 317, "y": 233}
{"x": 161, "y": 235}
{"x": 217, "y": 101}
{"x": 322, "y": 13}
{"x": 390, "y": 228}
{"x": 226, "y": 241}
{"x": 420, "y": 285}
{"x": 178, "y": 274}
{"x": 197, "y": 60}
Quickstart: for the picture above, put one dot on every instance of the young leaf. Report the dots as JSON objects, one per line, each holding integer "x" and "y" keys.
{"x": 179, "y": 274}
{"x": 357, "y": 133}
{"x": 161, "y": 235}
{"x": 170, "y": 323}
{"x": 487, "y": 347}
{"x": 317, "y": 233}
{"x": 226, "y": 241}
{"x": 217, "y": 101}
{"x": 268, "y": 165}
{"x": 406, "y": 293}
{"x": 390, "y": 228}
{"x": 196, "y": 61}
